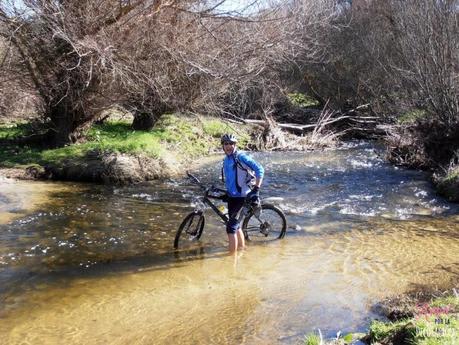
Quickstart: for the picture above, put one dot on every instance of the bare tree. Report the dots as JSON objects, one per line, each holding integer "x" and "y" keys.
{"x": 265, "y": 55}
{"x": 151, "y": 56}
{"x": 427, "y": 35}
{"x": 18, "y": 98}
{"x": 59, "y": 47}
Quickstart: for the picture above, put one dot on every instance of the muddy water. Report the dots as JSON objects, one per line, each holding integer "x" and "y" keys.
{"x": 94, "y": 264}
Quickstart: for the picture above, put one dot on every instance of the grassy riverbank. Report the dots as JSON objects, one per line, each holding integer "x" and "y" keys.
{"x": 175, "y": 140}
{"x": 419, "y": 321}
{"x": 411, "y": 320}
{"x": 185, "y": 136}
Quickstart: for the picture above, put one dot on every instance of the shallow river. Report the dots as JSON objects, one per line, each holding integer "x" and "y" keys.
{"x": 85, "y": 264}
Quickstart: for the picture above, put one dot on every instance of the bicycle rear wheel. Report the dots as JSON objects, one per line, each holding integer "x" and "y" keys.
{"x": 190, "y": 230}
{"x": 268, "y": 226}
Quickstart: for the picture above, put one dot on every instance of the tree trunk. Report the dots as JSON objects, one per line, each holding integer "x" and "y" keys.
{"x": 65, "y": 125}
{"x": 144, "y": 121}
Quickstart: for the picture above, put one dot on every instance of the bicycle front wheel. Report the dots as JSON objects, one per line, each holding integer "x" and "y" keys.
{"x": 190, "y": 230}
{"x": 269, "y": 225}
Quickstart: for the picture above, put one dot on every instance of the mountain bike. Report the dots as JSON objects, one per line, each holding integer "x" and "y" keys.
{"x": 261, "y": 223}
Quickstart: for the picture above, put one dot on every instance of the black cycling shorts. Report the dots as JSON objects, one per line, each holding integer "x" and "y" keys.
{"x": 234, "y": 206}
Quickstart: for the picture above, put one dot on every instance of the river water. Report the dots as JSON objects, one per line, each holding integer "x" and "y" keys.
{"x": 86, "y": 264}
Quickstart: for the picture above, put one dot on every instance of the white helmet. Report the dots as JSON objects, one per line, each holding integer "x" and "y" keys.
{"x": 228, "y": 138}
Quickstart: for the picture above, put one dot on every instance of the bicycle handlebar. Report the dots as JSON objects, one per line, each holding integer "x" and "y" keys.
{"x": 207, "y": 189}
{"x": 195, "y": 179}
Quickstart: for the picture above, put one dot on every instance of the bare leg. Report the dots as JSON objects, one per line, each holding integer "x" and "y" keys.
{"x": 232, "y": 240}
{"x": 240, "y": 239}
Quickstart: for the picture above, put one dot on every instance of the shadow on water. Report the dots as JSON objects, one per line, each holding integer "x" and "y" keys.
{"x": 16, "y": 283}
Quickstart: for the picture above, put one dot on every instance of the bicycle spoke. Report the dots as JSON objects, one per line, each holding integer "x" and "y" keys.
{"x": 267, "y": 226}
{"x": 190, "y": 230}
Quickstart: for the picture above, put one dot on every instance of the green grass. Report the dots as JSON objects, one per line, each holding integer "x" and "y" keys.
{"x": 450, "y": 301}
{"x": 411, "y": 116}
{"x": 452, "y": 176}
{"x": 437, "y": 329}
{"x": 311, "y": 339}
{"x": 435, "y": 323}
{"x": 118, "y": 137}
{"x": 215, "y": 128}
{"x": 14, "y": 130}
{"x": 14, "y": 156}
{"x": 186, "y": 137}
{"x": 112, "y": 136}
{"x": 301, "y": 100}
{"x": 382, "y": 331}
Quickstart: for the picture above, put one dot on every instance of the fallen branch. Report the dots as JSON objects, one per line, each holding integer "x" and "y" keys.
{"x": 301, "y": 128}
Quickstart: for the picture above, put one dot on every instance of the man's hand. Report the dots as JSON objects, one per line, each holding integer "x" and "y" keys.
{"x": 254, "y": 195}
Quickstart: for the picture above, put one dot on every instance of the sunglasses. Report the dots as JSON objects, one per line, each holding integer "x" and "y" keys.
{"x": 228, "y": 143}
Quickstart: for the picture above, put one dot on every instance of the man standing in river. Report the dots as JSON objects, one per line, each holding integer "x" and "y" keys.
{"x": 243, "y": 177}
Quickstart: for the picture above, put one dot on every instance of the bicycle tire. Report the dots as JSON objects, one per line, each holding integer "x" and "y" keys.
{"x": 270, "y": 225}
{"x": 190, "y": 229}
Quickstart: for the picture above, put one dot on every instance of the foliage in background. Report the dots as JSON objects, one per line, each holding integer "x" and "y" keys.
{"x": 154, "y": 57}
{"x": 411, "y": 116}
{"x": 299, "y": 99}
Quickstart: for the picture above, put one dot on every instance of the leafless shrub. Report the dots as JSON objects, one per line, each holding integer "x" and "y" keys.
{"x": 427, "y": 37}
{"x": 60, "y": 49}
{"x": 263, "y": 58}
{"x": 18, "y": 98}
{"x": 151, "y": 56}
{"x": 405, "y": 147}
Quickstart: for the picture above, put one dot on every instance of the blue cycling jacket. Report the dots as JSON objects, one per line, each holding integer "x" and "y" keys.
{"x": 239, "y": 172}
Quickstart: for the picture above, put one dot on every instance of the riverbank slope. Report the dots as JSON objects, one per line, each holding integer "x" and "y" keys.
{"x": 114, "y": 153}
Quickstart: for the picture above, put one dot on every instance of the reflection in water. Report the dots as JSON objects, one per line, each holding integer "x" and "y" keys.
{"x": 97, "y": 265}
{"x": 17, "y": 198}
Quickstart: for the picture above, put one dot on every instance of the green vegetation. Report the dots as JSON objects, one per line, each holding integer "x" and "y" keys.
{"x": 192, "y": 137}
{"x": 433, "y": 323}
{"x": 311, "y": 339}
{"x": 428, "y": 323}
{"x": 385, "y": 332}
{"x": 216, "y": 128}
{"x": 452, "y": 176}
{"x": 412, "y": 116}
{"x": 16, "y": 156}
{"x": 301, "y": 100}
{"x": 448, "y": 185}
{"x": 184, "y": 135}
{"x": 314, "y": 339}
{"x": 446, "y": 302}
{"x": 14, "y": 130}
{"x": 179, "y": 135}
{"x": 119, "y": 137}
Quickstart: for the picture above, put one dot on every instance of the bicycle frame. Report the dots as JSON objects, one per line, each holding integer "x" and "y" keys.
{"x": 256, "y": 225}
{"x": 206, "y": 199}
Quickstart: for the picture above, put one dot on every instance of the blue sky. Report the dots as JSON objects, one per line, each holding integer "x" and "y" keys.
{"x": 235, "y": 4}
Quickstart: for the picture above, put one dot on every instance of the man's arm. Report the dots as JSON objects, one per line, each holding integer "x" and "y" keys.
{"x": 255, "y": 166}
{"x": 258, "y": 181}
